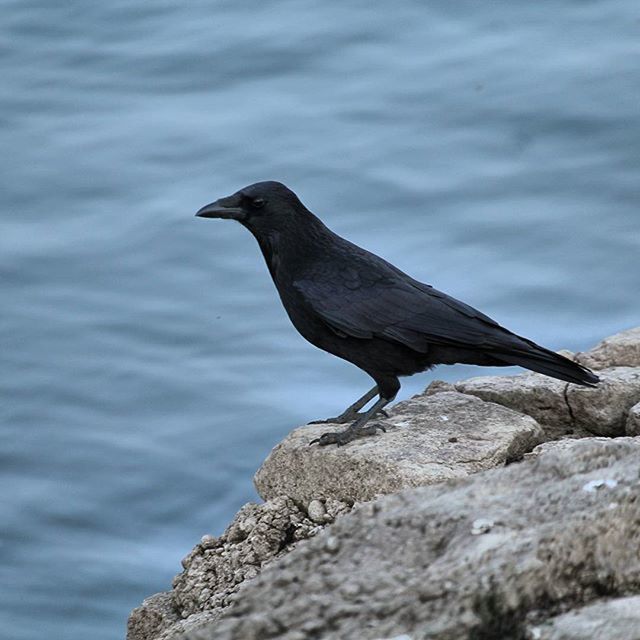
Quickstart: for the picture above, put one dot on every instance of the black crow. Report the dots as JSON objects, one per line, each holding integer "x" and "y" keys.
{"x": 357, "y": 306}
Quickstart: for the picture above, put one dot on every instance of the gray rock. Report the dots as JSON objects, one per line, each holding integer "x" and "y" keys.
{"x": 560, "y": 407}
{"x": 533, "y": 394}
{"x": 617, "y": 619}
{"x": 157, "y": 619}
{"x": 413, "y": 563}
{"x": 496, "y": 556}
{"x": 632, "y": 428}
{"x": 558, "y": 446}
{"x": 619, "y": 350}
{"x": 154, "y": 616}
{"x": 218, "y": 566}
{"x": 603, "y": 411}
{"x": 188, "y": 625}
{"x": 316, "y": 511}
{"x": 430, "y": 438}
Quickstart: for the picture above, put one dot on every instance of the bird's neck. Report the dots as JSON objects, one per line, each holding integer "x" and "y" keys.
{"x": 287, "y": 251}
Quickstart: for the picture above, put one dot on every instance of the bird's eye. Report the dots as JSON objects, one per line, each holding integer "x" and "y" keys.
{"x": 258, "y": 203}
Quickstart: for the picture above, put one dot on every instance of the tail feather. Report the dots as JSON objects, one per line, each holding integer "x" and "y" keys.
{"x": 551, "y": 364}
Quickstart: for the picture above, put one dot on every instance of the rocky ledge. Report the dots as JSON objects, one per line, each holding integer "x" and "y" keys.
{"x": 497, "y": 507}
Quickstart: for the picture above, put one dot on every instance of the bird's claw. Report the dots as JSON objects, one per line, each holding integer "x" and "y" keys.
{"x": 331, "y": 437}
{"x": 341, "y": 438}
{"x": 370, "y": 430}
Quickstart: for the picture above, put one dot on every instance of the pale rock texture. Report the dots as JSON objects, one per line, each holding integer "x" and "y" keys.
{"x": 545, "y": 549}
{"x": 533, "y": 394}
{"x": 564, "y": 444}
{"x": 617, "y": 619}
{"x": 560, "y": 531}
{"x": 258, "y": 533}
{"x": 157, "y": 618}
{"x": 619, "y": 350}
{"x": 217, "y": 567}
{"x": 154, "y": 616}
{"x": 601, "y": 410}
{"x": 632, "y": 427}
{"x": 430, "y": 438}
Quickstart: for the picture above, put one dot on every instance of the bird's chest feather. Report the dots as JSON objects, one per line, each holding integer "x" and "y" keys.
{"x": 290, "y": 264}
{"x": 302, "y": 316}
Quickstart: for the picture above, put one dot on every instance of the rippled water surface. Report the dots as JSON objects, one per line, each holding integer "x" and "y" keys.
{"x": 491, "y": 149}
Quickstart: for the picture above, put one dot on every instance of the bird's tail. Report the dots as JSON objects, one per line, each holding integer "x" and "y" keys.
{"x": 541, "y": 360}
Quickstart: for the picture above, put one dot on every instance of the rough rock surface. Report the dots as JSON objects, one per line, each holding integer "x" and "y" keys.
{"x": 430, "y": 438}
{"x": 530, "y": 393}
{"x": 158, "y": 618}
{"x": 617, "y": 619}
{"x": 502, "y": 554}
{"x": 258, "y": 533}
{"x": 619, "y": 350}
{"x": 154, "y": 616}
{"x": 485, "y": 557}
{"x": 602, "y": 410}
{"x": 558, "y": 445}
{"x": 216, "y": 567}
{"x": 632, "y": 428}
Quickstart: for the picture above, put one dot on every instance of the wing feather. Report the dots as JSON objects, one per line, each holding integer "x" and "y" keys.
{"x": 402, "y": 310}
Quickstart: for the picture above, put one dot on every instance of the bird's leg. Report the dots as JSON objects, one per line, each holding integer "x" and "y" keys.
{"x": 355, "y": 429}
{"x": 352, "y": 412}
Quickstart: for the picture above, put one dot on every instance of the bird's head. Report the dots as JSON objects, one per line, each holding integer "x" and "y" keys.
{"x": 261, "y": 207}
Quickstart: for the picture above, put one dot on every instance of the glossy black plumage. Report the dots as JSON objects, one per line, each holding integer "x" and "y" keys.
{"x": 355, "y": 305}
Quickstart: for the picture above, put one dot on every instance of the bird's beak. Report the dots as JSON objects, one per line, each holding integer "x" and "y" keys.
{"x": 221, "y": 209}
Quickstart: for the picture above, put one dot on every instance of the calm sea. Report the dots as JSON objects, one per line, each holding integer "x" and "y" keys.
{"x": 147, "y": 368}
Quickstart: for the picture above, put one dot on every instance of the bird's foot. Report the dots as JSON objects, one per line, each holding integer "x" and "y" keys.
{"x": 343, "y": 437}
{"x": 346, "y": 417}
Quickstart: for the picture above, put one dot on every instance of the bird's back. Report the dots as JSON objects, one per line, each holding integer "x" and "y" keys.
{"x": 359, "y": 297}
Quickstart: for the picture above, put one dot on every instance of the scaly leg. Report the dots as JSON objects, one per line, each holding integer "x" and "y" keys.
{"x": 353, "y": 412}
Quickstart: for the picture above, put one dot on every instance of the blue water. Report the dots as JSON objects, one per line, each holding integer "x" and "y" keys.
{"x": 147, "y": 368}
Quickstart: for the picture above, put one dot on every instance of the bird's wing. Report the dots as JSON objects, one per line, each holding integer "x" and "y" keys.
{"x": 395, "y": 307}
